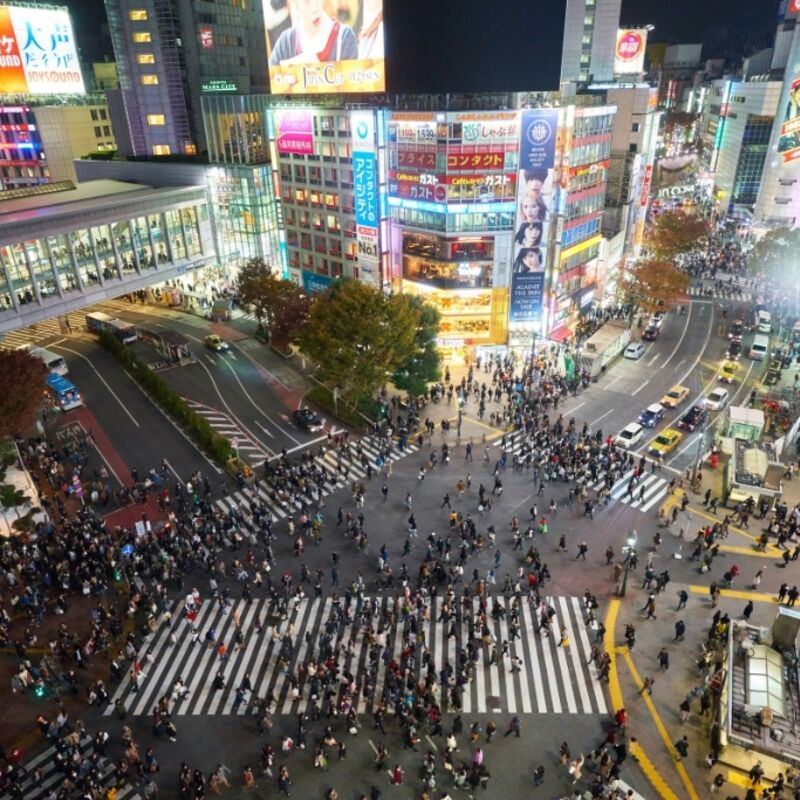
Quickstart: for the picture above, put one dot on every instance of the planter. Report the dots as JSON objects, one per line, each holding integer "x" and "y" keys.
{"x": 233, "y": 466}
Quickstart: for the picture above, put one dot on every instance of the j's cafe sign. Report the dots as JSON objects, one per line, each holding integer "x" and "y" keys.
{"x": 629, "y": 53}
{"x": 794, "y": 7}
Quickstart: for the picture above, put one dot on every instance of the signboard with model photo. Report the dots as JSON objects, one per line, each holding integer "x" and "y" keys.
{"x": 325, "y": 46}
{"x": 789, "y": 143}
{"x": 534, "y": 204}
{"x": 630, "y": 50}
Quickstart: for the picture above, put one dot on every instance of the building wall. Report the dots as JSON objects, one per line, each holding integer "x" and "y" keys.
{"x": 22, "y": 158}
{"x": 590, "y": 34}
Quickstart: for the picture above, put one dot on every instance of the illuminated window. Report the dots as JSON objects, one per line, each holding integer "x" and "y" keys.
{"x": 161, "y": 150}
{"x": 206, "y": 37}
{"x": 146, "y": 58}
{"x": 137, "y": 15}
{"x": 155, "y": 119}
{"x": 190, "y": 149}
{"x": 142, "y": 36}
{"x": 149, "y": 80}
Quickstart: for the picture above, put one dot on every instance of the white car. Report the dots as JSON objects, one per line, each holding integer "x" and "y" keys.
{"x": 716, "y": 400}
{"x": 634, "y": 351}
{"x": 656, "y": 320}
{"x": 629, "y": 435}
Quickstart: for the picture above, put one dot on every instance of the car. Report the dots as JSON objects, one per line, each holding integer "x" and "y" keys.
{"x": 693, "y": 418}
{"x": 716, "y": 399}
{"x": 734, "y": 351}
{"x": 213, "y": 342}
{"x": 629, "y": 435}
{"x": 634, "y": 351}
{"x": 650, "y": 333}
{"x": 675, "y": 396}
{"x": 665, "y": 442}
{"x": 306, "y": 419}
{"x": 736, "y": 330}
{"x": 656, "y": 320}
{"x": 652, "y": 415}
{"x": 728, "y": 372}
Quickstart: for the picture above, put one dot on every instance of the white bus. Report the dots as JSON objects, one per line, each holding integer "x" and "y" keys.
{"x": 53, "y": 361}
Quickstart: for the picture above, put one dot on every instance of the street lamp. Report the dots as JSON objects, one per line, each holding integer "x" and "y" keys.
{"x": 631, "y": 543}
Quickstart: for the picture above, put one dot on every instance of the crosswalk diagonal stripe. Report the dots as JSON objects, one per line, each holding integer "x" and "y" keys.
{"x": 587, "y": 651}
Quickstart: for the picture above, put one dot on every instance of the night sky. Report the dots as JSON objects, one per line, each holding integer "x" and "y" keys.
{"x": 496, "y": 45}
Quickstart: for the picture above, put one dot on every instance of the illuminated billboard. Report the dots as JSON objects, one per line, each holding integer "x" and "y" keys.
{"x": 789, "y": 143}
{"x": 629, "y": 52}
{"x": 294, "y": 131}
{"x": 321, "y": 47}
{"x": 38, "y": 54}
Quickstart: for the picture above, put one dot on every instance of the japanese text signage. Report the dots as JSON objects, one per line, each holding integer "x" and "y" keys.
{"x": 38, "y": 54}
{"x": 789, "y": 142}
{"x": 629, "y": 53}
{"x": 527, "y": 292}
{"x": 314, "y": 51}
{"x": 462, "y": 161}
{"x": 294, "y": 131}
{"x": 365, "y": 189}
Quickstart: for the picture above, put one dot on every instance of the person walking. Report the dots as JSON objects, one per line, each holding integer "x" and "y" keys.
{"x": 513, "y": 727}
{"x": 663, "y": 659}
{"x": 284, "y": 781}
{"x": 682, "y": 747}
{"x": 397, "y": 776}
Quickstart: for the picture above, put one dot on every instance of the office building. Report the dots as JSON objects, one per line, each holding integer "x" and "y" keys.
{"x": 590, "y": 35}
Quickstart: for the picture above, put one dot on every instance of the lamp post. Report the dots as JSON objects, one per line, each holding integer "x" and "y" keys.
{"x": 631, "y": 543}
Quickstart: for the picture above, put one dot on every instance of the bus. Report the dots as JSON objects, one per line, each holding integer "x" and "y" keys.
{"x": 64, "y": 392}
{"x": 124, "y": 331}
{"x": 53, "y": 361}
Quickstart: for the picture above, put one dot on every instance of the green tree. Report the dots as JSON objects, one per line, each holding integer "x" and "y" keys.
{"x": 775, "y": 254}
{"x": 22, "y": 387}
{"x": 423, "y": 365}
{"x": 279, "y": 305}
{"x": 673, "y": 233}
{"x": 358, "y": 336}
{"x": 650, "y": 285}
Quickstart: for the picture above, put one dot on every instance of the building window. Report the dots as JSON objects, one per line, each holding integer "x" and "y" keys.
{"x": 140, "y": 37}
{"x": 103, "y": 114}
{"x": 635, "y": 127}
{"x": 161, "y": 150}
{"x": 137, "y": 15}
{"x": 190, "y": 149}
{"x": 155, "y": 119}
{"x": 94, "y": 114}
{"x": 149, "y": 80}
{"x": 106, "y": 130}
{"x": 97, "y": 132}
{"x": 146, "y": 58}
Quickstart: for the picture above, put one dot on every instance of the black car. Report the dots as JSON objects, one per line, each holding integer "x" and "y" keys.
{"x": 734, "y": 350}
{"x": 694, "y": 417}
{"x": 650, "y": 333}
{"x": 306, "y": 419}
{"x": 736, "y": 330}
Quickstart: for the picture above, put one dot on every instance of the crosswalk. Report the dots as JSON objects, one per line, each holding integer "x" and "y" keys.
{"x": 37, "y": 334}
{"x": 52, "y": 776}
{"x": 643, "y": 495}
{"x": 250, "y": 449}
{"x": 695, "y": 291}
{"x": 551, "y": 679}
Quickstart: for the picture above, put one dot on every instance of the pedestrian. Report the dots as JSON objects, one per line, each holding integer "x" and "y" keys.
{"x": 663, "y": 659}
{"x": 491, "y": 730}
{"x": 576, "y": 768}
{"x": 397, "y": 776}
{"x": 680, "y": 630}
{"x": 682, "y": 747}
{"x": 685, "y": 709}
{"x": 683, "y": 598}
{"x": 513, "y": 727}
{"x": 248, "y": 781}
{"x": 647, "y": 686}
{"x": 717, "y": 783}
{"x": 564, "y": 640}
{"x": 538, "y": 776}
{"x": 563, "y": 754}
{"x": 748, "y": 610}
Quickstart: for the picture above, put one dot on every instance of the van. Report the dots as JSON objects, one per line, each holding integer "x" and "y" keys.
{"x": 53, "y": 361}
{"x": 764, "y": 322}
{"x": 629, "y": 435}
{"x": 759, "y": 348}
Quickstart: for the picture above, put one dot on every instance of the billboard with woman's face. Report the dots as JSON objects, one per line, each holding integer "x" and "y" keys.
{"x": 325, "y": 47}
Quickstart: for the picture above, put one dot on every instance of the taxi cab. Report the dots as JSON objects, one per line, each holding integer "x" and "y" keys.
{"x": 665, "y": 442}
{"x": 728, "y": 372}
{"x": 675, "y": 396}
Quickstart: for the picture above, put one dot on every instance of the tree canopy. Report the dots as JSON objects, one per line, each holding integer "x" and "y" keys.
{"x": 673, "y": 233}
{"x": 776, "y": 254}
{"x": 651, "y": 284}
{"x": 423, "y": 364}
{"x": 359, "y": 337}
{"x": 22, "y": 385}
{"x": 280, "y": 306}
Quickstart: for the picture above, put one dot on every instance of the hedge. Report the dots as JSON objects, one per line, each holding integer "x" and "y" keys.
{"x": 195, "y": 426}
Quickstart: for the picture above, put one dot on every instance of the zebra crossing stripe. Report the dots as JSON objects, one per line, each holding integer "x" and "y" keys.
{"x": 574, "y": 653}
{"x": 530, "y": 640}
{"x": 587, "y": 651}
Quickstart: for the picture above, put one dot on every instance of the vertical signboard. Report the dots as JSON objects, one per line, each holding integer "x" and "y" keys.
{"x": 365, "y": 191}
{"x": 537, "y": 151}
{"x": 294, "y": 131}
{"x": 789, "y": 142}
{"x": 629, "y": 53}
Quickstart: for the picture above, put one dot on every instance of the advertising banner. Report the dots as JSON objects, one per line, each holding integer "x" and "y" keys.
{"x": 38, "y": 54}
{"x": 365, "y": 189}
{"x": 629, "y": 53}
{"x": 316, "y": 49}
{"x": 534, "y": 211}
{"x": 294, "y": 131}
{"x": 480, "y": 129}
{"x": 411, "y": 157}
{"x": 789, "y": 143}
{"x": 527, "y": 293}
{"x": 469, "y": 161}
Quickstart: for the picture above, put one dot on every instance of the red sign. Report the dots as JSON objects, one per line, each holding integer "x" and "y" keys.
{"x": 794, "y": 6}
{"x": 630, "y": 45}
{"x": 648, "y": 175}
{"x": 414, "y": 158}
{"x": 459, "y": 161}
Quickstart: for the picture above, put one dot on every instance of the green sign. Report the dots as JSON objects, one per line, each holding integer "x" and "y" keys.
{"x": 220, "y": 86}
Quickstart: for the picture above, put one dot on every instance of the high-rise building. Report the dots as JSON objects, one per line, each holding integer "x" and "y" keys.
{"x": 590, "y": 36}
{"x": 171, "y": 52}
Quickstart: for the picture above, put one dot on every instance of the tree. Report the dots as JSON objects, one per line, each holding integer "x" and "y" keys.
{"x": 650, "y": 284}
{"x": 358, "y": 336}
{"x": 22, "y": 381}
{"x": 673, "y": 233}
{"x": 423, "y": 365}
{"x": 279, "y": 305}
{"x": 775, "y": 254}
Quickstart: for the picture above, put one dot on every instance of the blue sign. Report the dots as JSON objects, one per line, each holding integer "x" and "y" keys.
{"x": 127, "y": 549}
{"x": 365, "y": 189}
{"x": 527, "y": 290}
{"x": 538, "y": 138}
{"x": 316, "y": 283}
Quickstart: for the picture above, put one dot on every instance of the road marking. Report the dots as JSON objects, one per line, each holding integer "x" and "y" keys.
{"x": 737, "y": 594}
{"x": 172, "y": 470}
{"x": 681, "y": 363}
{"x": 209, "y": 358}
{"x": 680, "y": 341}
{"x": 654, "y": 359}
{"x": 573, "y": 410}
{"x": 103, "y": 380}
{"x": 592, "y": 424}
{"x": 268, "y": 432}
{"x": 685, "y": 447}
{"x": 611, "y": 383}
{"x": 640, "y": 388}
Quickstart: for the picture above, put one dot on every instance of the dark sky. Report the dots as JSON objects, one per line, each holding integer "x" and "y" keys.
{"x": 493, "y": 45}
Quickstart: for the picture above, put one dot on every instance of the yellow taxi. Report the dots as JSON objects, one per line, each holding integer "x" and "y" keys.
{"x": 728, "y": 372}
{"x": 665, "y": 442}
{"x": 674, "y": 397}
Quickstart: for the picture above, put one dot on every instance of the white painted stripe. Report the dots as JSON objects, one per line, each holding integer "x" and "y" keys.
{"x": 531, "y": 639}
{"x": 600, "y": 702}
{"x": 574, "y": 653}
{"x": 550, "y": 672}
{"x": 562, "y": 658}
{"x": 303, "y": 649}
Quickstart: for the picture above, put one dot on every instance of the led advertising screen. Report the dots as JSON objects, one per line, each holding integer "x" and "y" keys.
{"x": 38, "y": 54}
{"x": 789, "y": 143}
{"x": 629, "y": 53}
{"x": 294, "y": 131}
{"x": 534, "y": 210}
{"x": 325, "y": 47}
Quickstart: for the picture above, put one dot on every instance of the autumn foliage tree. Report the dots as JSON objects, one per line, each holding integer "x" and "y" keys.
{"x": 279, "y": 305}
{"x": 674, "y": 232}
{"x": 650, "y": 284}
{"x": 777, "y": 254}
{"x": 22, "y": 383}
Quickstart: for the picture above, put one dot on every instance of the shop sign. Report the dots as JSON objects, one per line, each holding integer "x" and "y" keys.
{"x": 478, "y": 132}
{"x": 294, "y": 131}
{"x": 416, "y": 159}
{"x": 368, "y": 246}
{"x": 630, "y": 50}
{"x": 789, "y": 142}
{"x": 365, "y": 189}
{"x": 219, "y": 86}
{"x": 467, "y": 161}
{"x": 648, "y": 177}
{"x": 414, "y": 132}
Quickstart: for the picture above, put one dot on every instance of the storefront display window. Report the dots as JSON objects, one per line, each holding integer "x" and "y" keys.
{"x": 448, "y": 275}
